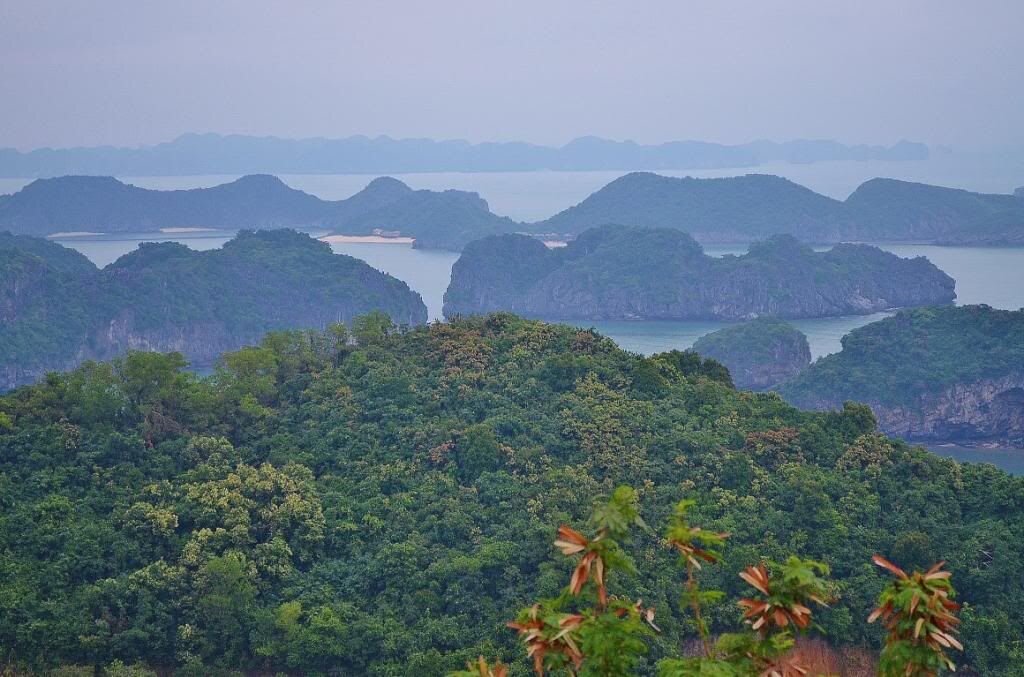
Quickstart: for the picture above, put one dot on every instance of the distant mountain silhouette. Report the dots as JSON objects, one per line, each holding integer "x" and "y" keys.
{"x": 236, "y": 154}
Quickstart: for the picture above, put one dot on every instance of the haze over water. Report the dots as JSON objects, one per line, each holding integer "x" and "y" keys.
{"x": 994, "y": 276}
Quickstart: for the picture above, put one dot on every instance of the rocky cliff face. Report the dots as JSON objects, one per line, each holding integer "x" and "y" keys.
{"x": 989, "y": 409}
{"x": 986, "y": 410}
{"x": 616, "y": 273}
{"x": 166, "y": 297}
{"x": 760, "y": 354}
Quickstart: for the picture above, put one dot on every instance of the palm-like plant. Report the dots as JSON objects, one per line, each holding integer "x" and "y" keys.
{"x": 920, "y": 616}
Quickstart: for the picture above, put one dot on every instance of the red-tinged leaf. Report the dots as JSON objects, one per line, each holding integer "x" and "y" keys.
{"x": 579, "y": 576}
{"x": 938, "y": 575}
{"x": 753, "y": 581}
{"x": 875, "y": 615}
{"x": 567, "y": 533}
{"x": 889, "y": 566}
{"x": 538, "y": 663}
{"x": 917, "y": 627}
{"x": 569, "y": 549}
{"x": 781, "y": 619}
{"x": 570, "y": 541}
{"x": 935, "y": 567}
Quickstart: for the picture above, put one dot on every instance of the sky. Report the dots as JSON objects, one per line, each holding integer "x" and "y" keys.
{"x": 136, "y": 72}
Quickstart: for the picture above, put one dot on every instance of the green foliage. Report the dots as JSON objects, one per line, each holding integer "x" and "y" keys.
{"x": 167, "y": 295}
{"x": 915, "y": 353}
{"x": 759, "y": 354}
{"x": 609, "y": 637}
{"x": 920, "y": 616}
{"x": 327, "y": 474}
{"x": 639, "y": 272}
{"x": 690, "y": 364}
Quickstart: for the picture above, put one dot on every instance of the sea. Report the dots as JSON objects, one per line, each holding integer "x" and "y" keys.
{"x": 994, "y": 276}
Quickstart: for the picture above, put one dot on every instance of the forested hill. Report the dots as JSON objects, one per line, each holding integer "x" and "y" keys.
{"x": 744, "y": 208}
{"x": 384, "y": 508}
{"x": 58, "y": 309}
{"x": 760, "y": 354}
{"x": 103, "y": 204}
{"x": 623, "y": 273}
{"x": 949, "y": 374}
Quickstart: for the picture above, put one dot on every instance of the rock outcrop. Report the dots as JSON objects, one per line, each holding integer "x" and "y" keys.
{"x": 617, "y": 273}
{"x": 759, "y": 354}
{"x": 165, "y": 297}
{"x": 953, "y": 374}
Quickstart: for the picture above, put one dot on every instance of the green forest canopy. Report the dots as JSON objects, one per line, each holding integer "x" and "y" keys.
{"x": 384, "y": 508}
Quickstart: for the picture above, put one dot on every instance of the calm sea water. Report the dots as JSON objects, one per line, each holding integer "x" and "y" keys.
{"x": 1008, "y": 459}
{"x": 983, "y": 275}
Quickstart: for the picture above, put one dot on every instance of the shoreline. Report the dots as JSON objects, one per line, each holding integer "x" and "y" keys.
{"x": 72, "y": 233}
{"x": 366, "y": 239}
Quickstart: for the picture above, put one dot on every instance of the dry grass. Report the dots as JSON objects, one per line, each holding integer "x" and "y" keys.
{"x": 822, "y": 659}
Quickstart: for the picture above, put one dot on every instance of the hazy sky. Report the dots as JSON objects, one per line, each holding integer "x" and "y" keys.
{"x": 133, "y": 72}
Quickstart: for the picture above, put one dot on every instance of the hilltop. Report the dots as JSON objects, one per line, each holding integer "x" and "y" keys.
{"x": 618, "y": 272}
{"x": 759, "y": 354}
{"x": 385, "y": 507}
{"x": 167, "y": 297}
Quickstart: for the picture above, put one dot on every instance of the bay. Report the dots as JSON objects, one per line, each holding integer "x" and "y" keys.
{"x": 984, "y": 275}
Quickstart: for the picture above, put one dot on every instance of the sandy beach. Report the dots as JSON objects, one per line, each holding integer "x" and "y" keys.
{"x": 72, "y": 233}
{"x": 367, "y": 239}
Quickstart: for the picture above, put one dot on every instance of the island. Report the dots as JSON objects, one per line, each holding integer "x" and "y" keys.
{"x": 745, "y": 208}
{"x": 733, "y": 210}
{"x": 946, "y": 374}
{"x": 629, "y": 273}
{"x": 58, "y": 310}
{"x": 759, "y": 354}
{"x": 435, "y": 219}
